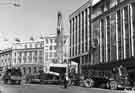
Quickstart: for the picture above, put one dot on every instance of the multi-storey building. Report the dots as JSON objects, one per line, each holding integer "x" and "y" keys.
{"x": 66, "y": 49}
{"x": 50, "y": 50}
{"x": 29, "y": 56}
{"x": 80, "y": 35}
{"x": 104, "y": 31}
{"x": 6, "y": 57}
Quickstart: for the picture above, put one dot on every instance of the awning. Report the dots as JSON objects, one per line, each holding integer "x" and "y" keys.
{"x": 128, "y": 63}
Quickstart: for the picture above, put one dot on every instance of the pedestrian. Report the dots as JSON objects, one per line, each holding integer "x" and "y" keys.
{"x": 65, "y": 80}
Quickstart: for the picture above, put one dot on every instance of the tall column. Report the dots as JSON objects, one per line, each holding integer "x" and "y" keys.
{"x": 131, "y": 22}
{"x": 124, "y": 39}
{"x": 84, "y": 43}
{"x": 79, "y": 18}
{"x": 117, "y": 56}
{"x": 88, "y": 31}
{"x": 70, "y": 38}
{"x": 86, "y": 27}
{"x": 80, "y": 65}
{"x": 129, "y": 28}
{"x": 74, "y": 37}
{"x": 77, "y": 34}
{"x": 80, "y": 33}
{"x": 100, "y": 39}
{"x": 106, "y": 48}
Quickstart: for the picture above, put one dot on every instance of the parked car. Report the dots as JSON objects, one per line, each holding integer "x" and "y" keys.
{"x": 44, "y": 78}
{"x": 12, "y": 76}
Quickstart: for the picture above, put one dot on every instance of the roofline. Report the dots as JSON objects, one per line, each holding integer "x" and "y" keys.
{"x": 79, "y": 9}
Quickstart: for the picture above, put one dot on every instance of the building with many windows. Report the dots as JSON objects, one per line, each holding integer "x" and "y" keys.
{"x": 29, "y": 56}
{"x": 102, "y": 35}
{"x": 49, "y": 50}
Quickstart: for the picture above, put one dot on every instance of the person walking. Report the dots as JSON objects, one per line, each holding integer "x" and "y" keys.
{"x": 65, "y": 80}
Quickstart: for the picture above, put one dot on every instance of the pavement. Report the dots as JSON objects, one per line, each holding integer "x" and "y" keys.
{"x": 29, "y": 88}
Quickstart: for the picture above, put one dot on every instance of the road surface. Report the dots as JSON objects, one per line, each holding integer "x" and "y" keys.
{"x": 52, "y": 89}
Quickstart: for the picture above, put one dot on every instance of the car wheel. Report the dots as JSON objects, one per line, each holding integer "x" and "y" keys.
{"x": 9, "y": 82}
{"x": 113, "y": 85}
{"x": 5, "y": 81}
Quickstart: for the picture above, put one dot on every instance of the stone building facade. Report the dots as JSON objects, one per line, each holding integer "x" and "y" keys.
{"x": 103, "y": 33}
{"x": 29, "y": 56}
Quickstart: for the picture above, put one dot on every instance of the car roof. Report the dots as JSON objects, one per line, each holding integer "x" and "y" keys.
{"x": 53, "y": 73}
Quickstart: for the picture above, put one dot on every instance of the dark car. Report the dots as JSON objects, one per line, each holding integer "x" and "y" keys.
{"x": 12, "y": 76}
{"x": 50, "y": 78}
{"x": 44, "y": 78}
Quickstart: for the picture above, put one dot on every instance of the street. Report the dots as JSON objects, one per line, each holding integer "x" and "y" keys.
{"x": 52, "y": 89}
{"x": 40, "y": 89}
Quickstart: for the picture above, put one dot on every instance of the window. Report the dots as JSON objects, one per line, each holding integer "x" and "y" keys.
{"x": 35, "y": 53}
{"x": 25, "y": 45}
{"x": 50, "y": 47}
{"x": 51, "y": 41}
{"x": 86, "y": 31}
{"x": 24, "y": 70}
{"x": 108, "y": 38}
{"x": 19, "y": 59}
{"x": 30, "y": 56}
{"x": 127, "y": 32}
{"x": 40, "y": 68}
{"x": 103, "y": 41}
{"x": 24, "y": 59}
{"x": 35, "y": 70}
{"x": 41, "y": 44}
{"x": 36, "y": 45}
{"x": 35, "y": 58}
{"x": 120, "y": 50}
{"x": 54, "y": 47}
{"x": 47, "y": 41}
{"x": 31, "y": 45}
{"x": 40, "y": 59}
{"x": 40, "y": 52}
{"x": 29, "y": 69}
{"x": 20, "y": 54}
{"x": 14, "y": 60}
{"x": 50, "y": 54}
{"x": 96, "y": 35}
{"x": 25, "y": 53}
{"x": 113, "y": 36}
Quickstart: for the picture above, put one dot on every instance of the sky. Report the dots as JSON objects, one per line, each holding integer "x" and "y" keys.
{"x": 33, "y": 18}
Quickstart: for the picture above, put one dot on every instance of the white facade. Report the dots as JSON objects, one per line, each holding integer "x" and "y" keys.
{"x": 66, "y": 49}
{"x": 30, "y": 55}
{"x": 49, "y": 50}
